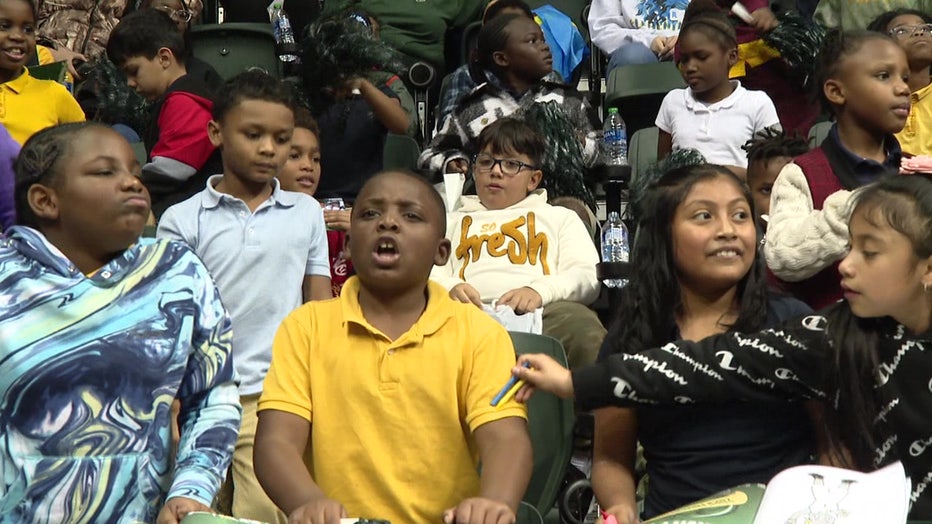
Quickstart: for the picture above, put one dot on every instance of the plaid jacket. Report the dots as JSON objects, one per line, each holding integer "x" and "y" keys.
{"x": 461, "y": 83}
{"x": 490, "y": 101}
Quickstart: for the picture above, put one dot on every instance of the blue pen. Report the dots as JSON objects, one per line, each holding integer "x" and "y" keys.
{"x": 508, "y": 385}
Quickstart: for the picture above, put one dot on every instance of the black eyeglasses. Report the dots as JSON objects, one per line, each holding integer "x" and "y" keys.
{"x": 182, "y": 15}
{"x": 484, "y": 163}
{"x": 903, "y": 31}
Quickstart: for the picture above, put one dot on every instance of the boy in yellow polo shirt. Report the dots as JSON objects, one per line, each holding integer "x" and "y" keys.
{"x": 391, "y": 384}
{"x": 28, "y": 104}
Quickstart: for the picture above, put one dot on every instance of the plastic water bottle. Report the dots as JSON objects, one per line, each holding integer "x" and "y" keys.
{"x": 284, "y": 35}
{"x": 614, "y": 139}
{"x": 614, "y": 244}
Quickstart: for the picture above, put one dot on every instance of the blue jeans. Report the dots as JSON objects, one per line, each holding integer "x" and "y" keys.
{"x": 633, "y": 53}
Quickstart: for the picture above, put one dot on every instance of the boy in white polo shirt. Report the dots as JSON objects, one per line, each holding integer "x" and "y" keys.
{"x": 266, "y": 248}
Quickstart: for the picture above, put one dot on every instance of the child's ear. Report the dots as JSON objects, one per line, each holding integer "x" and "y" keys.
{"x": 834, "y": 91}
{"x": 165, "y": 56}
{"x": 213, "y": 133}
{"x": 732, "y": 57}
{"x": 500, "y": 59}
{"x": 443, "y": 252}
{"x": 43, "y": 200}
{"x": 927, "y": 275}
{"x": 535, "y": 179}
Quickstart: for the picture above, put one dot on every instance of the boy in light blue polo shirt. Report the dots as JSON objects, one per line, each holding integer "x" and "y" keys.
{"x": 265, "y": 247}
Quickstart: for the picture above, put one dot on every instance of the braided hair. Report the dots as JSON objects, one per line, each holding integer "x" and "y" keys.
{"x": 836, "y": 47}
{"x": 771, "y": 143}
{"x": 39, "y": 162}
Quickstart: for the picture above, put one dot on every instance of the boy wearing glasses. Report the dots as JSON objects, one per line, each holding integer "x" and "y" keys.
{"x": 147, "y": 46}
{"x": 911, "y": 29}
{"x": 513, "y": 248}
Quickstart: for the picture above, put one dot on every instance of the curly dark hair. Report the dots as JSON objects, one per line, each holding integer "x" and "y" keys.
{"x": 772, "y": 143}
{"x": 882, "y": 22}
{"x": 253, "y": 84}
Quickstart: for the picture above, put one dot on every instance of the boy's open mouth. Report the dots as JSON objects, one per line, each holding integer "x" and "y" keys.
{"x": 386, "y": 252}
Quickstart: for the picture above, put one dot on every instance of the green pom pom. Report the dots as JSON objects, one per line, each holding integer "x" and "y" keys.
{"x": 798, "y": 40}
{"x": 563, "y": 163}
{"x": 338, "y": 48}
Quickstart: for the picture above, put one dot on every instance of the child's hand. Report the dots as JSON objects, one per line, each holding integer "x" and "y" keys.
{"x": 544, "y": 373}
{"x": 457, "y": 165}
{"x": 467, "y": 294}
{"x": 349, "y": 88}
{"x": 338, "y": 218}
{"x": 764, "y": 20}
{"x": 656, "y": 45}
{"x": 63, "y": 54}
{"x": 176, "y": 508}
{"x": 479, "y": 510}
{"x": 318, "y": 511}
{"x": 623, "y": 514}
{"x": 669, "y": 45}
{"x": 522, "y": 300}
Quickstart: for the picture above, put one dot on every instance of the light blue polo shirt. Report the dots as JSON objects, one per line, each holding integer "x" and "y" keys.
{"x": 258, "y": 260}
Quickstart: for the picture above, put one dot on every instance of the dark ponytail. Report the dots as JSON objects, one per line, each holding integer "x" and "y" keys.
{"x": 850, "y": 373}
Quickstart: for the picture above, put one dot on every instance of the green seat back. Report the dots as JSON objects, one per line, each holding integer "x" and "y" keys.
{"x": 139, "y": 149}
{"x": 235, "y": 47}
{"x": 54, "y": 71}
{"x": 149, "y": 231}
{"x": 637, "y": 91}
{"x": 818, "y": 133}
{"x": 550, "y": 423}
{"x": 642, "y": 150}
{"x": 400, "y": 152}
{"x": 633, "y": 80}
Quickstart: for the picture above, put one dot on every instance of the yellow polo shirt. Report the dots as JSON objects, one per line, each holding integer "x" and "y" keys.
{"x": 392, "y": 421}
{"x": 44, "y": 54}
{"x": 916, "y": 136}
{"x": 28, "y": 105}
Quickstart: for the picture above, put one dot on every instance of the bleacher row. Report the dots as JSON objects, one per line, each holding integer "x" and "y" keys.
{"x": 637, "y": 89}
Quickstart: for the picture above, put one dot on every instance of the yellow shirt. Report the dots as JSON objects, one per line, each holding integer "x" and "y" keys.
{"x": 916, "y": 136}
{"x": 28, "y": 105}
{"x": 392, "y": 421}
{"x": 44, "y": 54}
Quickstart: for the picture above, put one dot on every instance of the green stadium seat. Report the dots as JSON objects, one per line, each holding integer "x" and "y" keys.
{"x": 400, "y": 152}
{"x": 642, "y": 150}
{"x": 818, "y": 133}
{"x": 550, "y": 423}
{"x": 637, "y": 91}
{"x": 236, "y": 47}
